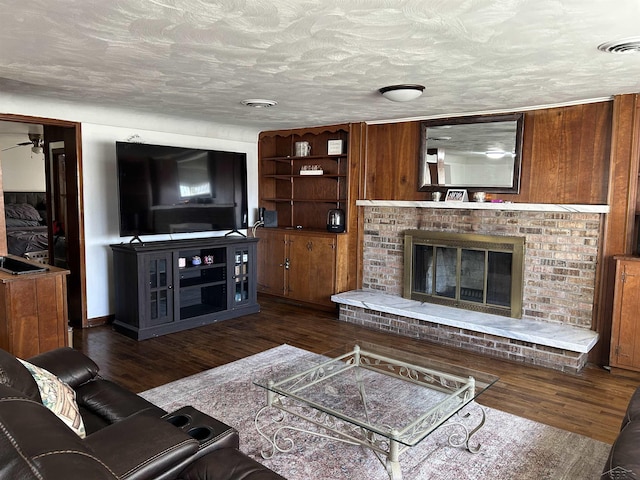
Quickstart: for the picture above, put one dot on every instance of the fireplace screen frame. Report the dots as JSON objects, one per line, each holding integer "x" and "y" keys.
{"x": 470, "y": 242}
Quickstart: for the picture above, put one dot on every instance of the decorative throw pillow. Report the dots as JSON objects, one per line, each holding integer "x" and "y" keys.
{"x": 21, "y": 210}
{"x": 19, "y": 222}
{"x": 58, "y": 397}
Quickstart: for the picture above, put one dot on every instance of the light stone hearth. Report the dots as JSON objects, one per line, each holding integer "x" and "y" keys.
{"x": 541, "y": 343}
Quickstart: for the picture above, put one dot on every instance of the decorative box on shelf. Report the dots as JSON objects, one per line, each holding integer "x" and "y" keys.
{"x": 311, "y": 170}
{"x": 334, "y": 147}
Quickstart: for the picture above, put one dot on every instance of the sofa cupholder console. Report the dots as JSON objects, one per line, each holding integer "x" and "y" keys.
{"x": 210, "y": 433}
{"x": 178, "y": 420}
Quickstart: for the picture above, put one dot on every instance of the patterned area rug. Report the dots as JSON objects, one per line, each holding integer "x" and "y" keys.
{"x": 512, "y": 447}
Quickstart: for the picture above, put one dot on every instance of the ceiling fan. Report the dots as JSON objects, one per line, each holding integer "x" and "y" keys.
{"x": 36, "y": 141}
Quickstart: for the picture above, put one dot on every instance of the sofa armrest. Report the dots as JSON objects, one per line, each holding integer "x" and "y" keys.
{"x": 141, "y": 446}
{"x": 71, "y": 366}
{"x": 36, "y": 444}
{"x": 227, "y": 464}
{"x": 633, "y": 409}
{"x": 624, "y": 460}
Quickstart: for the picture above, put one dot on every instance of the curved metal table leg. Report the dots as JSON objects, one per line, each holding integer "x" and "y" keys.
{"x": 458, "y": 440}
{"x": 393, "y": 464}
{"x": 274, "y": 438}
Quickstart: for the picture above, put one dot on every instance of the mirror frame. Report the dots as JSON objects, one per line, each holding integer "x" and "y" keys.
{"x": 424, "y": 185}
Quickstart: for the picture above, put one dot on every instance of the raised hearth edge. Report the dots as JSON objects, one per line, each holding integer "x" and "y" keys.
{"x": 561, "y": 347}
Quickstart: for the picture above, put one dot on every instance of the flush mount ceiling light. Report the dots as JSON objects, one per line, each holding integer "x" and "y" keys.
{"x": 402, "y": 93}
{"x": 258, "y": 103}
{"x": 628, "y": 45}
{"x": 495, "y": 154}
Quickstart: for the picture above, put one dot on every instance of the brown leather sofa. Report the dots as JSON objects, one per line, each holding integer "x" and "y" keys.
{"x": 127, "y": 437}
{"x": 624, "y": 456}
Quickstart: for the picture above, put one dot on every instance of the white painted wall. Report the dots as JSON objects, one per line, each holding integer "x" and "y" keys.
{"x": 22, "y": 170}
{"x": 101, "y": 128}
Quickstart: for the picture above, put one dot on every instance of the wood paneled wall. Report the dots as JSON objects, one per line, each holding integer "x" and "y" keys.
{"x": 618, "y": 232}
{"x": 565, "y": 157}
{"x": 582, "y": 154}
{"x": 391, "y": 162}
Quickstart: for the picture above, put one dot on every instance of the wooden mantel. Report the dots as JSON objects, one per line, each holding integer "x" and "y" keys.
{"x": 506, "y": 206}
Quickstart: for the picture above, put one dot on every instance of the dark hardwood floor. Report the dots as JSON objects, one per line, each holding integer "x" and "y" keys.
{"x": 591, "y": 403}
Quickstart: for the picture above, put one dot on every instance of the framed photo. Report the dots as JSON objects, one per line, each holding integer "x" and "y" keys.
{"x": 334, "y": 147}
{"x": 454, "y": 195}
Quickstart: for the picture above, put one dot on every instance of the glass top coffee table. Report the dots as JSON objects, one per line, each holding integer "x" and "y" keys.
{"x": 364, "y": 394}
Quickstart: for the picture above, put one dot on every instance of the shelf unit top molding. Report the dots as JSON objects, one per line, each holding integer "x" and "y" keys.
{"x": 344, "y": 127}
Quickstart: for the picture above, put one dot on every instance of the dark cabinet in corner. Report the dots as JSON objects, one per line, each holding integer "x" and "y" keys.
{"x": 166, "y": 287}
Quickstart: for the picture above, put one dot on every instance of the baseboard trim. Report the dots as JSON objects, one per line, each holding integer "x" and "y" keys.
{"x": 99, "y": 321}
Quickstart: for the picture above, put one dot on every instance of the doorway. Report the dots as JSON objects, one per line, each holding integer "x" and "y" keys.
{"x": 62, "y": 143}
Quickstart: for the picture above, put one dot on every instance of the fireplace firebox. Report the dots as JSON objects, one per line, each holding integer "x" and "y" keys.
{"x": 475, "y": 272}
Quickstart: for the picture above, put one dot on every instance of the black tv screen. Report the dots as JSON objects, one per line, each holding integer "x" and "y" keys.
{"x": 164, "y": 190}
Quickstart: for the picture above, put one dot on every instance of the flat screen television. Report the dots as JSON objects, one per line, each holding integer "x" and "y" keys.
{"x": 165, "y": 190}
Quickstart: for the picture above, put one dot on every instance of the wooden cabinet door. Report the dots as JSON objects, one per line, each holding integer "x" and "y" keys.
{"x": 625, "y": 335}
{"x": 271, "y": 261}
{"x": 311, "y": 275}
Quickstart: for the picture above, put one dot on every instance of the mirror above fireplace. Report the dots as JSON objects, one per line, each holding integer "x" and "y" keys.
{"x": 478, "y": 153}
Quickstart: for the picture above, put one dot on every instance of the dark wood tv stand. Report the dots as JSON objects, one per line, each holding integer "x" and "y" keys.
{"x": 161, "y": 289}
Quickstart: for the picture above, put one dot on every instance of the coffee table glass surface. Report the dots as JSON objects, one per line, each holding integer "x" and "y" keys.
{"x": 382, "y": 390}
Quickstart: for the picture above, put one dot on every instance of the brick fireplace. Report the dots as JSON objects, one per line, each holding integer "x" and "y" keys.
{"x": 561, "y": 249}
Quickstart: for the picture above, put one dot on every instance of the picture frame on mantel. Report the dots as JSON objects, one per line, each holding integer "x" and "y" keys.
{"x": 456, "y": 195}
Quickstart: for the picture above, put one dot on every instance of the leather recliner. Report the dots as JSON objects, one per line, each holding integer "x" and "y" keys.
{"x": 127, "y": 437}
{"x": 624, "y": 456}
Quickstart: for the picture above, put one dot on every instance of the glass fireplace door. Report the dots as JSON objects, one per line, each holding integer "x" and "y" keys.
{"x": 467, "y": 271}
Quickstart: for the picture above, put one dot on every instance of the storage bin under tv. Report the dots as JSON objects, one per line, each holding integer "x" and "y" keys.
{"x": 156, "y": 295}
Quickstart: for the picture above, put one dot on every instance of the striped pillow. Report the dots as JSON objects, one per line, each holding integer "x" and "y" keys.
{"x": 58, "y": 397}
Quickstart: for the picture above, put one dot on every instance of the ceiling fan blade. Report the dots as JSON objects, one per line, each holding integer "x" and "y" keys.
{"x": 23, "y": 144}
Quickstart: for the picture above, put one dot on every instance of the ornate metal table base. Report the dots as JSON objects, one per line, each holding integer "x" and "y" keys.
{"x": 463, "y": 437}
{"x": 376, "y": 397}
{"x": 330, "y": 427}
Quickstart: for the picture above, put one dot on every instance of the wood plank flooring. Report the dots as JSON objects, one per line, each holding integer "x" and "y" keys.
{"x": 591, "y": 403}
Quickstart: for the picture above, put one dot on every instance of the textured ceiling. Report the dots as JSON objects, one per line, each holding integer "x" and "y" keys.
{"x": 322, "y": 61}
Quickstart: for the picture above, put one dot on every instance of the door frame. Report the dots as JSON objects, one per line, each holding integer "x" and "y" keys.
{"x": 77, "y": 288}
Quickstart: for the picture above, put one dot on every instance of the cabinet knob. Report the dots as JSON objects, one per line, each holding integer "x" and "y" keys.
{"x": 170, "y": 287}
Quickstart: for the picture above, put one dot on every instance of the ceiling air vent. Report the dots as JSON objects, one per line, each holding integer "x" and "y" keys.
{"x": 629, "y": 45}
